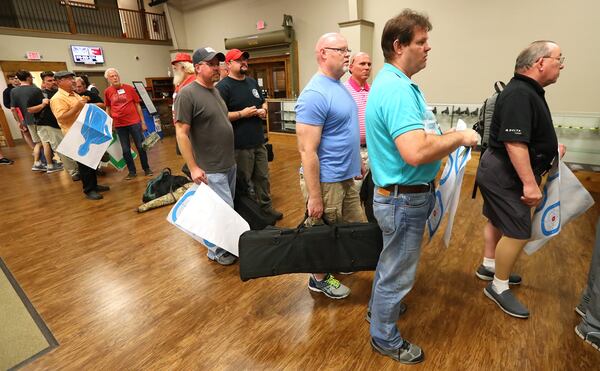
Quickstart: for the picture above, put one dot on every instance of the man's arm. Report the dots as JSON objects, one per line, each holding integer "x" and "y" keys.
{"x": 309, "y": 138}
{"x": 182, "y": 134}
{"x": 417, "y": 147}
{"x": 246, "y": 112}
{"x": 39, "y": 107}
{"x": 519, "y": 157}
{"x": 65, "y": 113}
{"x": 143, "y": 121}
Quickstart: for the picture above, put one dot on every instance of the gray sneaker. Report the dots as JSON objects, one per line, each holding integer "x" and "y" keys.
{"x": 507, "y": 302}
{"x": 40, "y": 167}
{"x": 225, "y": 259}
{"x": 331, "y": 287}
{"x": 54, "y": 168}
{"x": 487, "y": 275}
{"x": 408, "y": 353}
{"x": 581, "y": 308}
{"x": 590, "y": 337}
{"x": 401, "y": 311}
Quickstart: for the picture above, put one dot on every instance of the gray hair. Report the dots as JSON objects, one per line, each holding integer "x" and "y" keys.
{"x": 533, "y": 52}
{"x": 79, "y": 78}
{"x": 109, "y": 71}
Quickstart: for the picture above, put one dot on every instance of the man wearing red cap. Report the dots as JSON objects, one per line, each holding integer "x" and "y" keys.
{"x": 183, "y": 74}
{"x": 247, "y": 110}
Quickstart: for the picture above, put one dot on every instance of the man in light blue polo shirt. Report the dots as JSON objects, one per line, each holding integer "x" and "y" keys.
{"x": 328, "y": 141}
{"x": 405, "y": 156}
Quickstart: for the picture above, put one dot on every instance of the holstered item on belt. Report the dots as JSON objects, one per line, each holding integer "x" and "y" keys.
{"x": 344, "y": 247}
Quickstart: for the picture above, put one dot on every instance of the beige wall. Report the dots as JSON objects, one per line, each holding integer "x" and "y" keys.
{"x": 154, "y": 60}
{"x": 475, "y": 43}
{"x": 208, "y": 26}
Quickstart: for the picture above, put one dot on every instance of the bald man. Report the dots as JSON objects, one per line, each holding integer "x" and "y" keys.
{"x": 328, "y": 141}
{"x": 357, "y": 85}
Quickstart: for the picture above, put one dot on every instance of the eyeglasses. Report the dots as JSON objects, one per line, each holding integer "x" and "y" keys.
{"x": 340, "y": 50}
{"x": 560, "y": 59}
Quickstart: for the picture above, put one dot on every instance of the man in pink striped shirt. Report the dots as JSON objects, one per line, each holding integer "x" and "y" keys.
{"x": 360, "y": 71}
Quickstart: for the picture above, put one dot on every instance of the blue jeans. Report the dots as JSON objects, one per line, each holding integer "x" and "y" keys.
{"x": 224, "y": 185}
{"x": 138, "y": 138}
{"x": 402, "y": 219}
{"x": 592, "y": 289}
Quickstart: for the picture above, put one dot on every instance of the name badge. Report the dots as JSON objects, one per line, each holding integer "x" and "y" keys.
{"x": 121, "y": 91}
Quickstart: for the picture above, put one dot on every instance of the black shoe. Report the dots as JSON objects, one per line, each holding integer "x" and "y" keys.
{"x": 401, "y": 310}
{"x": 6, "y": 161}
{"x": 93, "y": 195}
{"x": 507, "y": 302}
{"x": 76, "y": 177}
{"x": 407, "y": 353}
{"x": 274, "y": 213}
{"x": 102, "y": 188}
{"x": 487, "y": 275}
{"x": 588, "y": 335}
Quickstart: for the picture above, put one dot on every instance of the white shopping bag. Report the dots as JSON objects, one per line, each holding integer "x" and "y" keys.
{"x": 89, "y": 137}
{"x": 447, "y": 193}
{"x": 564, "y": 198}
{"x": 203, "y": 214}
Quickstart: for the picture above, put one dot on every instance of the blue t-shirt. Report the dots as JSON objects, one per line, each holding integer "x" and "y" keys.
{"x": 395, "y": 106}
{"x": 326, "y": 102}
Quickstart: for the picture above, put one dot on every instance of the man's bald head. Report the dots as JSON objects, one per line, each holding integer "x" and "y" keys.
{"x": 332, "y": 54}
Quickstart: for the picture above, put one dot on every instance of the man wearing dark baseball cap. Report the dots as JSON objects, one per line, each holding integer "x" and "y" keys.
{"x": 247, "y": 112}
{"x": 205, "y": 136}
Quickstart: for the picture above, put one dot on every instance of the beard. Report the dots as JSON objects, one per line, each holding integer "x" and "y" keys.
{"x": 243, "y": 70}
{"x": 178, "y": 77}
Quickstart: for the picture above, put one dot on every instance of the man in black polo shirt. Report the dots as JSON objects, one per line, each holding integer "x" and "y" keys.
{"x": 92, "y": 96}
{"x": 523, "y": 145}
{"x": 247, "y": 110}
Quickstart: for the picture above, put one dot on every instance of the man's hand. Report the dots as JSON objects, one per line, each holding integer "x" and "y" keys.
{"x": 144, "y": 126}
{"x": 81, "y": 102}
{"x": 470, "y": 138}
{"x": 562, "y": 149}
{"x": 315, "y": 207}
{"x": 46, "y": 101}
{"x": 262, "y": 113}
{"x": 363, "y": 171}
{"x": 198, "y": 175}
{"x": 248, "y": 112}
{"x": 23, "y": 127}
{"x": 531, "y": 195}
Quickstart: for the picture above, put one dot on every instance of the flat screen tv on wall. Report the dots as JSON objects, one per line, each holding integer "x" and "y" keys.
{"x": 87, "y": 54}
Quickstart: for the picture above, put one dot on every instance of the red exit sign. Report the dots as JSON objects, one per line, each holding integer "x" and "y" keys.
{"x": 35, "y": 56}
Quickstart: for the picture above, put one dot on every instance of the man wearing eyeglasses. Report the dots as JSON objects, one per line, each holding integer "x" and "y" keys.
{"x": 247, "y": 112}
{"x": 523, "y": 146}
{"x": 328, "y": 141}
{"x": 205, "y": 136}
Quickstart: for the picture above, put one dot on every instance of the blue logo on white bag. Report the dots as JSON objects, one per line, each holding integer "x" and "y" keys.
{"x": 94, "y": 129}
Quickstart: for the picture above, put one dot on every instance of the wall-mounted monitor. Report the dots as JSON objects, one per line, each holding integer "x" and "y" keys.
{"x": 87, "y": 54}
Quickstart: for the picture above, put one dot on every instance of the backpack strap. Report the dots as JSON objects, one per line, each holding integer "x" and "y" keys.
{"x": 499, "y": 86}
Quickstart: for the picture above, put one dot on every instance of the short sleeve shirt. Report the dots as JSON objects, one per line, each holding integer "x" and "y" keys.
{"x": 239, "y": 94}
{"x": 360, "y": 95}
{"x": 45, "y": 117}
{"x": 395, "y": 107}
{"x": 211, "y": 132}
{"x": 123, "y": 105}
{"x": 326, "y": 102}
{"x": 19, "y": 98}
{"x": 522, "y": 115}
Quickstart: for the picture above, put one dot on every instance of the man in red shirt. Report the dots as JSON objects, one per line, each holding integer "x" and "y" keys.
{"x": 123, "y": 105}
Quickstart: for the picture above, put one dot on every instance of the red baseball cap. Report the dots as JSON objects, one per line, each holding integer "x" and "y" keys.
{"x": 234, "y": 54}
{"x": 182, "y": 57}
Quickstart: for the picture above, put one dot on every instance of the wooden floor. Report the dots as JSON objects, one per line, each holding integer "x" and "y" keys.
{"x": 122, "y": 290}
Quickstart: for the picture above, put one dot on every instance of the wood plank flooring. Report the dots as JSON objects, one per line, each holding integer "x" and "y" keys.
{"x": 122, "y": 290}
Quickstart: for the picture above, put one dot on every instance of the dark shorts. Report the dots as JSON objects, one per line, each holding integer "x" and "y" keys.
{"x": 502, "y": 189}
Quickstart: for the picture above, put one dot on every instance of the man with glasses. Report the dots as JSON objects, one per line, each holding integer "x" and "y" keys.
{"x": 404, "y": 156}
{"x": 247, "y": 111}
{"x": 205, "y": 135}
{"x": 328, "y": 141}
{"x": 523, "y": 146}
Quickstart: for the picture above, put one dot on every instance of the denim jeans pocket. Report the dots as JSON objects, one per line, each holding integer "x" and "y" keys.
{"x": 416, "y": 199}
{"x": 384, "y": 213}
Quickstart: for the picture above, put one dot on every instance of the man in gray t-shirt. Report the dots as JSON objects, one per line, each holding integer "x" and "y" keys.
{"x": 205, "y": 135}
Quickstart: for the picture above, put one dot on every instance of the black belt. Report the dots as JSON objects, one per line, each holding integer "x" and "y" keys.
{"x": 399, "y": 188}
{"x": 363, "y": 145}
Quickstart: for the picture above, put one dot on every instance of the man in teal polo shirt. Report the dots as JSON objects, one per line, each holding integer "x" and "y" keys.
{"x": 405, "y": 156}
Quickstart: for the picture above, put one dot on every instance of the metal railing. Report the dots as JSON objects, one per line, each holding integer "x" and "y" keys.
{"x": 80, "y": 17}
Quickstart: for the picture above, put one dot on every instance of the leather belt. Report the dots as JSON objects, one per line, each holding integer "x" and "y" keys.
{"x": 399, "y": 188}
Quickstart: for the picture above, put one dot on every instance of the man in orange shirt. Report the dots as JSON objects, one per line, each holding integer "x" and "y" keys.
{"x": 123, "y": 105}
{"x": 66, "y": 106}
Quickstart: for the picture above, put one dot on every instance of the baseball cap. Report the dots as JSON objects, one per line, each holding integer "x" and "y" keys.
{"x": 61, "y": 74}
{"x": 234, "y": 54}
{"x": 206, "y": 54}
{"x": 182, "y": 57}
